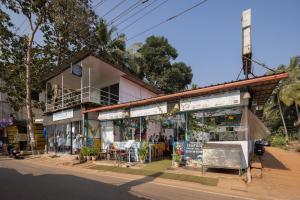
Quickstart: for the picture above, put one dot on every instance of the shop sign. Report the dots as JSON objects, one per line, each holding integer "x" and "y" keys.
{"x": 114, "y": 114}
{"x": 77, "y": 70}
{"x": 65, "y": 114}
{"x": 154, "y": 109}
{"x": 21, "y": 137}
{"x": 194, "y": 151}
{"x": 211, "y": 101}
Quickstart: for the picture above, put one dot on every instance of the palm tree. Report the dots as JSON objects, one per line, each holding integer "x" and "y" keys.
{"x": 289, "y": 92}
{"x": 110, "y": 48}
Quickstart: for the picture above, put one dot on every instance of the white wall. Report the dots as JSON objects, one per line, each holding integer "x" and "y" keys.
{"x": 130, "y": 91}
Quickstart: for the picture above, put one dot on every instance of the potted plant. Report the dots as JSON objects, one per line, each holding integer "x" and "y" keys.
{"x": 142, "y": 152}
{"x": 176, "y": 160}
{"x": 95, "y": 151}
{"x": 85, "y": 152}
{"x": 89, "y": 156}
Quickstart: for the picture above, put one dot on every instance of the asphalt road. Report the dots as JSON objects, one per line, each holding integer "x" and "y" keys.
{"x": 25, "y": 179}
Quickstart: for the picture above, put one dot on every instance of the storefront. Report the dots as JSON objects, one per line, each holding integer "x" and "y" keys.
{"x": 64, "y": 132}
{"x": 213, "y": 126}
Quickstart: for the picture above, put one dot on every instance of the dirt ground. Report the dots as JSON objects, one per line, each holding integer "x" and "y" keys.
{"x": 281, "y": 175}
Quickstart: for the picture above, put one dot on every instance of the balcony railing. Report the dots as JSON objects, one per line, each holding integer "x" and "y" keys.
{"x": 84, "y": 95}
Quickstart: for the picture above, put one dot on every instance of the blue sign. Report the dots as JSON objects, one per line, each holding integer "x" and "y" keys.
{"x": 77, "y": 70}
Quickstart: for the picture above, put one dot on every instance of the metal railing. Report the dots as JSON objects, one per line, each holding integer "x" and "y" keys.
{"x": 87, "y": 94}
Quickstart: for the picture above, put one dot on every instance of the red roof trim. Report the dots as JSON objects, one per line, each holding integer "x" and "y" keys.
{"x": 195, "y": 92}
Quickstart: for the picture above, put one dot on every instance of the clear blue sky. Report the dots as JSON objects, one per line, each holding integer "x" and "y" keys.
{"x": 208, "y": 38}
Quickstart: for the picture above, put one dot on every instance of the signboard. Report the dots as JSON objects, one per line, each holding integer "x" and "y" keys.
{"x": 154, "y": 109}
{"x": 211, "y": 101}
{"x": 114, "y": 114}
{"x": 76, "y": 70}
{"x": 246, "y": 18}
{"x": 21, "y": 137}
{"x": 65, "y": 114}
{"x": 193, "y": 150}
{"x": 247, "y": 41}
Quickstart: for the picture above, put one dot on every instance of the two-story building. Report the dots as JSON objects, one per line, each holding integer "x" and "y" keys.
{"x": 83, "y": 82}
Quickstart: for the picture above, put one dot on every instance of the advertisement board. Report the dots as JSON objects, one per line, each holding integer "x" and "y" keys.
{"x": 211, "y": 101}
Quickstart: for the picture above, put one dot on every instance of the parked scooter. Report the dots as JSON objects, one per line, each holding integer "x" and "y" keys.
{"x": 15, "y": 154}
{"x": 259, "y": 148}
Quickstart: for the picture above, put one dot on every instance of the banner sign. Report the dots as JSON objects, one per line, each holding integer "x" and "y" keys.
{"x": 114, "y": 114}
{"x": 211, "y": 101}
{"x": 65, "y": 114}
{"x": 154, "y": 109}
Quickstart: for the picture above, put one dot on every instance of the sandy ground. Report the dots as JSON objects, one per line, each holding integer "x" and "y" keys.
{"x": 281, "y": 175}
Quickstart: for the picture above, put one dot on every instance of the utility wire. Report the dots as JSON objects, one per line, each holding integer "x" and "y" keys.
{"x": 100, "y": 3}
{"x": 147, "y": 13}
{"x": 261, "y": 64}
{"x": 126, "y": 11}
{"x": 168, "y": 19}
{"x": 113, "y": 8}
{"x": 134, "y": 14}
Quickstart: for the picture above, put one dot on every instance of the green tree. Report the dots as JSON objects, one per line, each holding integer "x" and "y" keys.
{"x": 26, "y": 62}
{"x": 289, "y": 92}
{"x": 156, "y": 65}
{"x": 282, "y": 109}
{"x": 111, "y": 49}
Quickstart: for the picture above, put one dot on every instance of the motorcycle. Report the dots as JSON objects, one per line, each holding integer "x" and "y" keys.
{"x": 259, "y": 148}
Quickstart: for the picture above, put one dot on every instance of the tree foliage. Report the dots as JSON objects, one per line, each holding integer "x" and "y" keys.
{"x": 63, "y": 27}
{"x": 156, "y": 59}
{"x": 288, "y": 93}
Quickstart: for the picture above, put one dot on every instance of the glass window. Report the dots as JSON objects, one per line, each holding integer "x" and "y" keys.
{"x": 215, "y": 125}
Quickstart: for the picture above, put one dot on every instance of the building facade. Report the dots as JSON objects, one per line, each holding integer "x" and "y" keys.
{"x": 83, "y": 83}
{"x": 213, "y": 126}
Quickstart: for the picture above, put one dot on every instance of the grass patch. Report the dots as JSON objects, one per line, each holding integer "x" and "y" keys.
{"x": 158, "y": 166}
{"x": 144, "y": 172}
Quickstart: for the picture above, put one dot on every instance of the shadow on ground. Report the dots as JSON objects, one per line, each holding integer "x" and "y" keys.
{"x": 14, "y": 185}
{"x": 223, "y": 171}
{"x": 269, "y": 161}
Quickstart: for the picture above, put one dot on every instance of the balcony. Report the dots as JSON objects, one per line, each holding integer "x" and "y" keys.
{"x": 87, "y": 94}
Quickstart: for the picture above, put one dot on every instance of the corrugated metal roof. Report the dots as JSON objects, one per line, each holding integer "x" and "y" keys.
{"x": 257, "y": 84}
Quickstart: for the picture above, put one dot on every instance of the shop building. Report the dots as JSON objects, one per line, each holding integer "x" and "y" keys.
{"x": 86, "y": 81}
{"x": 212, "y": 126}
{"x": 13, "y": 124}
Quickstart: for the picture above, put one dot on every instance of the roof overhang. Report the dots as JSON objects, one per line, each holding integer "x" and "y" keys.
{"x": 260, "y": 87}
{"x": 81, "y": 55}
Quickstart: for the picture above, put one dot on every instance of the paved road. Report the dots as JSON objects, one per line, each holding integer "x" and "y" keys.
{"x": 25, "y": 179}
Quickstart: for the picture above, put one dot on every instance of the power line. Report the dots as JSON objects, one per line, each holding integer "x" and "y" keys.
{"x": 147, "y": 13}
{"x": 113, "y": 8}
{"x": 134, "y": 14}
{"x": 99, "y": 4}
{"x": 168, "y": 19}
{"x": 128, "y": 10}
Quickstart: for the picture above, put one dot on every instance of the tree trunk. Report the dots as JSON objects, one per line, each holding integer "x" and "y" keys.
{"x": 298, "y": 124}
{"x": 28, "y": 66}
{"x": 282, "y": 118}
